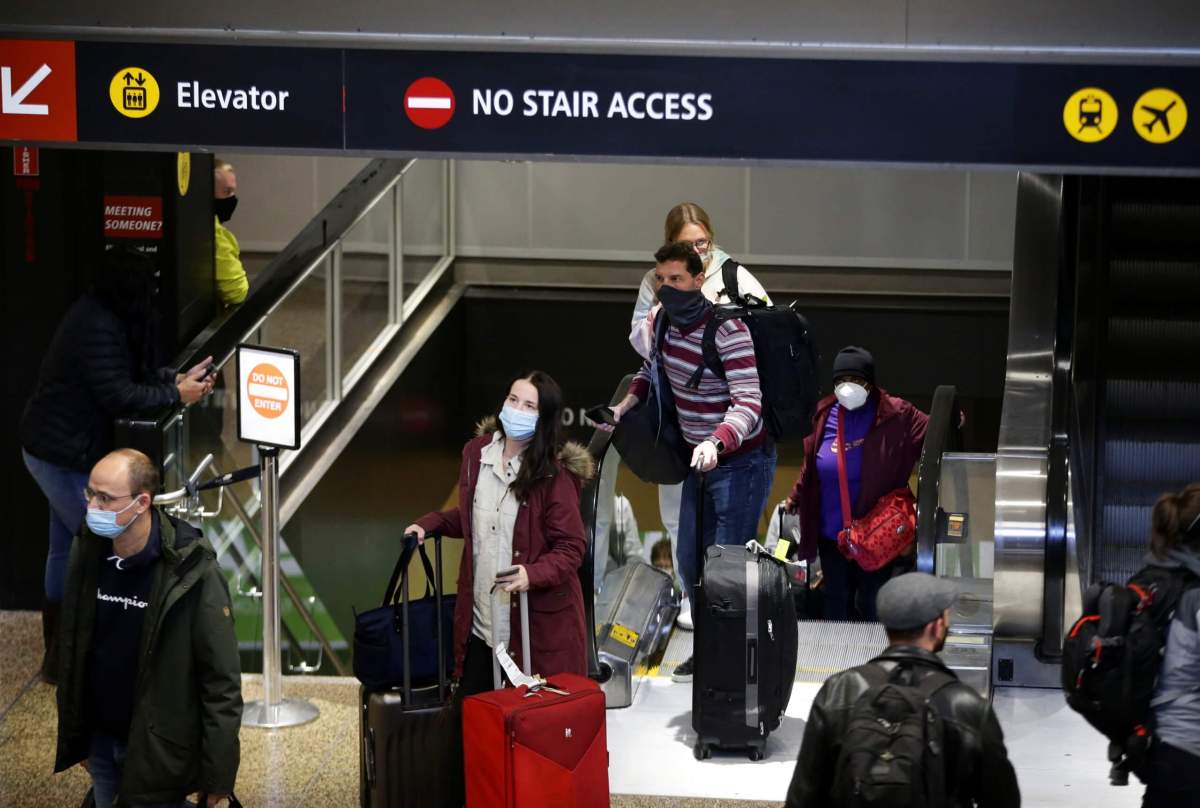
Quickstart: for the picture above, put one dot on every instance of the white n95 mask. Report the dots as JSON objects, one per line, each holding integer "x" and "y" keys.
{"x": 851, "y": 395}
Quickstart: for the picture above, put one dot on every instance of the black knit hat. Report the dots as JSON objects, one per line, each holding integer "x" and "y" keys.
{"x": 854, "y": 361}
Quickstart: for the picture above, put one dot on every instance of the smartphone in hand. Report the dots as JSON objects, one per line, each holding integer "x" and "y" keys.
{"x": 503, "y": 574}
{"x": 601, "y": 415}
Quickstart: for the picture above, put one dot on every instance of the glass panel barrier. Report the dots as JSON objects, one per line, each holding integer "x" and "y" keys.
{"x": 365, "y": 283}
{"x": 424, "y": 220}
{"x": 300, "y": 322}
{"x": 965, "y": 548}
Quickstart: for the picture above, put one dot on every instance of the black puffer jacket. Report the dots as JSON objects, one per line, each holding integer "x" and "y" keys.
{"x": 90, "y": 375}
{"x": 977, "y": 767}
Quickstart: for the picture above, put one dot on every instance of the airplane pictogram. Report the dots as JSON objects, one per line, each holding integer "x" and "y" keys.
{"x": 1160, "y": 116}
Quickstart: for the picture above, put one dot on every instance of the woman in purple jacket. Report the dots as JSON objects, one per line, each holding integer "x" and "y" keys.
{"x": 883, "y": 436}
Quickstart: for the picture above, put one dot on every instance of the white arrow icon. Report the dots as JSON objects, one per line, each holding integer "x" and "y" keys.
{"x": 11, "y": 103}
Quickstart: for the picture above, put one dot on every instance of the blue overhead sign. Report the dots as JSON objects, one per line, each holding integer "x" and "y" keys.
{"x": 215, "y": 96}
{"x": 624, "y": 107}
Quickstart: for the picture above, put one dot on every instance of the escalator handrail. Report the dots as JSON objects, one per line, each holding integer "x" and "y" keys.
{"x": 941, "y": 436}
{"x": 598, "y": 448}
{"x": 1062, "y": 413}
{"x": 295, "y": 262}
{"x": 1055, "y": 559}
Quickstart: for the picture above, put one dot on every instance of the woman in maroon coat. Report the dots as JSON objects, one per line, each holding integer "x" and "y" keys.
{"x": 518, "y": 494}
{"x": 883, "y": 436}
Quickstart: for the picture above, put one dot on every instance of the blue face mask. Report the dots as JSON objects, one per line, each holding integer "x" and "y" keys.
{"x": 104, "y": 523}
{"x": 518, "y": 425}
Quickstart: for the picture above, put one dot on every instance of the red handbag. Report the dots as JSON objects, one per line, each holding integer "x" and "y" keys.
{"x": 888, "y": 529}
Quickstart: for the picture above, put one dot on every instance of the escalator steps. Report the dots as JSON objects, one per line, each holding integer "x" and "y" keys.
{"x": 1150, "y": 388}
{"x": 1140, "y": 460}
{"x": 1127, "y": 525}
{"x": 1172, "y": 227}
{"x": 1119, "y": 564}
{"x": 1133, "y": 398}
{"x": 1150, "y": 346}
{"x": 1154, "y": 285}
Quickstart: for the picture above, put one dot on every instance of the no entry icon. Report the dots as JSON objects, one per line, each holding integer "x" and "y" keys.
{"x": 429, "y": 103}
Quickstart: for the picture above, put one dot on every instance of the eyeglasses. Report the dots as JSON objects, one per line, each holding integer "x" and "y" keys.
{"x": 103, "y": 499}
{"x": 701, "y": 244}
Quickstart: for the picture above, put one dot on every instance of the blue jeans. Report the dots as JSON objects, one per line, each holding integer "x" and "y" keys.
{"x": 63, "y": 487}
{"x": 106, "y": 762}
{"x": 735, "y": 496}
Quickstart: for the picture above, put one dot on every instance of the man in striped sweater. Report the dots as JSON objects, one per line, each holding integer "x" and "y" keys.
{"x": 721, "y": 419}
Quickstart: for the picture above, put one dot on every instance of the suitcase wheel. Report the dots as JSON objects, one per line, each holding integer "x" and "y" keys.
{"x": 702, "y": 751}
{"x": 756, "y": 754}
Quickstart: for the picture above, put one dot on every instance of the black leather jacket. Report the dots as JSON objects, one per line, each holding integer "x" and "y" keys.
{"x": 977, "y": 767}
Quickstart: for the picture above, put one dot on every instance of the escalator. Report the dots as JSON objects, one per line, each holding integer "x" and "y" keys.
{"x": 1147, "y": 378}
{"x": 1102, "y": 397}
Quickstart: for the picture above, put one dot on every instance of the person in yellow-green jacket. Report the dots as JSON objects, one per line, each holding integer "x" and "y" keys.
{"x": 231, "y": 275}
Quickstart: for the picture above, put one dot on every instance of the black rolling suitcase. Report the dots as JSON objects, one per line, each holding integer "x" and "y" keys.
{"x": 743, "y": 601}
{"x": 410, "y": 739}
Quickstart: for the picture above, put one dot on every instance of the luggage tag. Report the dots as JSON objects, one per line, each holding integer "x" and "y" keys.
{"x": 509, "y": 665}
{"x": 518, "y": 677}
{"x": 779, "y": 555}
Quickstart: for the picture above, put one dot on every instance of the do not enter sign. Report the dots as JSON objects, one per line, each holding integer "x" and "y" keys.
{"x": 429, "y": 103}
{"x": 268, "y": 390}
{"x": 268, "y": 396}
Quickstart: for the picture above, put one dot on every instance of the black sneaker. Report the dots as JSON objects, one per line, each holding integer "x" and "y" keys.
{"x": 684, "y": 671}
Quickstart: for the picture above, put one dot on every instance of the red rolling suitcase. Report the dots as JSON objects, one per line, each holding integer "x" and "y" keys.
{"x": 536, "y": 750}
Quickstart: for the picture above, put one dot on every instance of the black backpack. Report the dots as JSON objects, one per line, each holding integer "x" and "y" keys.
{"x": 893, "y": 752}
{"x": 1112, "y": 656}
{"x": 783, "y": 352}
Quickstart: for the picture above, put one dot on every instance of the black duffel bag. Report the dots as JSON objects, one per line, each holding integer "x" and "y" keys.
{"x": 651, "y": 444}
{"x": 648, "y": 437}
{"x": 378, "y": 633}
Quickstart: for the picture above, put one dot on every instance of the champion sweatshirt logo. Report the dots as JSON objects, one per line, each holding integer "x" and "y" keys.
{"x": 126, "y": 602}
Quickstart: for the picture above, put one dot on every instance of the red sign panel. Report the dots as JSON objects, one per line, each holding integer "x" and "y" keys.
{"x": 429, "y": 103}
{"x": 37, "y": 90}
{"x": 133, "y": 217}
{"x": 25, "y": 161}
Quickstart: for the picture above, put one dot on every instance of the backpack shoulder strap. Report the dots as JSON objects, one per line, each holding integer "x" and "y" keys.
{"x": 661, "y": 324}
{"x": 708, "y": 348}
{"x": 931, "y": 684}
{"x": 729, "y": 273}
{"x": 876, "y": 674}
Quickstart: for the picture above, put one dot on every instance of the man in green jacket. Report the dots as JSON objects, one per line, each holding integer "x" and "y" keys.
{"x": 149, "y": 694}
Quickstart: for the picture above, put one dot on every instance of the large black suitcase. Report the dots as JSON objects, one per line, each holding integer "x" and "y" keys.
{"x": 410, "y": 738}
{"x": 746, "y": 641}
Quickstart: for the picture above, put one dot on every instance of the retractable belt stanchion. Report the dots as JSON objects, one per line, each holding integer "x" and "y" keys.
{"x": 273, "y": 710}
{"x": 269, "y": 417}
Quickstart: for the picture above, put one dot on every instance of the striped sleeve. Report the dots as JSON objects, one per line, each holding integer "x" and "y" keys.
{"x": 640, "y": 386}
{"x": 736, "y": 349}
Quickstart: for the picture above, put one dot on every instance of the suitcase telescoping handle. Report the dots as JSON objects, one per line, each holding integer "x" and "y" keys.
{"x": 411, "y": 544}
{"x": 699, "y": 526}
{"x": 527, "y": 664}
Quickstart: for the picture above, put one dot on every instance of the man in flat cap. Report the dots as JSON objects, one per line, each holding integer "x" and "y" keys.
{"x": 902, "y": 727}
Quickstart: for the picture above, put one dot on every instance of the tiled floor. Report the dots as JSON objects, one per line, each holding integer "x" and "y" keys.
{"x": 1059, "y": 759}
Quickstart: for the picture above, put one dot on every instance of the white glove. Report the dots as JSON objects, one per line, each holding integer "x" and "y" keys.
{"x": 704, "y": 457}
